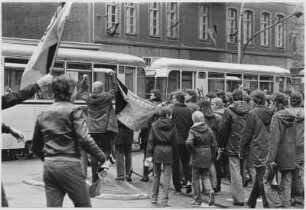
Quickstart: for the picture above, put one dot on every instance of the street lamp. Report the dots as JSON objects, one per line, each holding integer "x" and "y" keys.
{"x": 296, "y": 14}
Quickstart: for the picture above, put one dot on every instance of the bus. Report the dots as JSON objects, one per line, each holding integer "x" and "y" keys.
{"x": 72, "y": 62}
{"x": 168, "y": 74}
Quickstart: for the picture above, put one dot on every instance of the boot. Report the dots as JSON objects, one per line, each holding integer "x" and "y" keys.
{"x": 145, "y": 177}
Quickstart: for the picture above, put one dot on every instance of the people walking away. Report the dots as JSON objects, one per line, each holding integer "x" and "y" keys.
{"x": 254, "y": 144}
{"x": 102, "y": 122}
{"x": 281, "y": 153}
{"x": 191, "y": 99}
{"x": 123, "y": 145}
{"x": 13, "y": 98}
{"x": 162, "y": 147}
{"x": 201, "y": 143}
{"x": 213, "y": 121}
{"x": 155, "y": 98}
{"x": 181, "y": 116}
{"x": 60, "y": 133}
{"x": 233, "y": 121}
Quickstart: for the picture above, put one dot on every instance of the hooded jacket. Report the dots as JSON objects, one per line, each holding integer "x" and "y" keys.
{"x": 101, "y": 114}
{"x": 233, "y": 121}
{"x": 183, "y": 121}
{"x": 162, "y": 142}
{"x": 282, "y": 144}
{"x": 200, "y": 143}
{"x": 256, "y": 136}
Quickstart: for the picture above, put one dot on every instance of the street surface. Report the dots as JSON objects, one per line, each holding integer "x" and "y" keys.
{"x": 22, "y": 180}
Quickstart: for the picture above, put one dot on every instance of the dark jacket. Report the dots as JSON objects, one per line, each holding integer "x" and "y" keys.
{"x": 282, "y": 144}
{"x": 233, "y": 121}
{"x": 162, "y": 144}
{"x": 11, "y": 99}
{"x": 214, "y": 123}
{"x": 61, "y": 130}
{"x": 124, "y": 135}
{"x": 256, "y": 136}
{"x": 182, "y": 118}
{"x": 200, "y": 144}
{"x": 299, "y": 126}
{"x": 101, "y": 114}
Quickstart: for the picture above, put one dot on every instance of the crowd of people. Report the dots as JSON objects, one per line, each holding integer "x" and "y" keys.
{"x": 196, "y": 142}
{"x": 241, "y": 135}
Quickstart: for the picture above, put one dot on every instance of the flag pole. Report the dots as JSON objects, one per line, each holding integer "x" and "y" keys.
{"x": 58, "y": 45}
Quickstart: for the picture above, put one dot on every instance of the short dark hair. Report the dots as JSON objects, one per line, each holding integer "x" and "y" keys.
{"x": 237, "y": 95}
{"x": 296, "y": 99}
{"x": 259, "y": 97}
{"x": 63, "y": 88}
{"x": 193, "y": 94}
{"x": 280, "y": 99}
{"x": 157, "y": 95}
{"x": 180, "y": 96}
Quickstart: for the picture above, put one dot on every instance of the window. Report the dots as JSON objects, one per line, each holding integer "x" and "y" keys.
{"x": 174, "y": 81}
{"x": 250, "y": 82}
{"x": 129, "y": 78}
{"x": 232, "y": 26}
{"x": 215, "y": 81}
{"x": 186, "y": 80}
{"x": 266, "y": 83}
{"x": 112, "y": 17}
{"x": 202, "y": 75}
{"x": 154, "y": 10}
{"x": 161, "y": 85}
{"x": 281, "y": 86}
{"x": 264, "y": 23}
{"x": 172, "y": 20}
{"x": 204, "y": 15}
{"x": 233, "y": 81}
{"x": 141, "y": 83}
{"x": 247, "y": 26}
{"x": 130, "y": 11}
{"x": 279, "y": 32}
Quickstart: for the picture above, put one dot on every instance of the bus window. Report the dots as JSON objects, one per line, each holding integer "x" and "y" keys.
{"x": 266, "y": 83}
{"x": 76, "y": 71}
{"x": 129, "y": 77}
{"x": 102, "y": 76}
{"x": 233, "y": 81}
{"x": 251, "y": 82}
{"x": 141, "y": 83}
{"x": 174, "y": 81}
{"x": 186, "y": 80}
{"x": 150, "y": 85}
{"x": 12, "y": 78}
{"x": 161, "y": 85}
{"x": 215, "y": 81}
{"x": 281, "y": 86}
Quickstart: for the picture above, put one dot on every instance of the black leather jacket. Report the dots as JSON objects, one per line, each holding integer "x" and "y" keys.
{"x": 61, "y": 130}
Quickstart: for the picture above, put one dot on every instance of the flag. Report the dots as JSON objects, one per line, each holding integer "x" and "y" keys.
{"x": 132, "y": 110}
{"x": 42, "y": 59}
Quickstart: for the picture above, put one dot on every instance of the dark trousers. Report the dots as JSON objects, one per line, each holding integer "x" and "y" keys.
{"x": 184, "y": 159}
{"x": 124, "y": 160}
{"x": 61, "y": 177}
{"x": 4, "y": 202}
{"x": 258, "y": 188}
{"x": 104, "y": 141}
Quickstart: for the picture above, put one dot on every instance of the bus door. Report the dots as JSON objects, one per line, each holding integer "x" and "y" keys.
{"x": 201, "y": 83}
{"x": 233, "y": 81}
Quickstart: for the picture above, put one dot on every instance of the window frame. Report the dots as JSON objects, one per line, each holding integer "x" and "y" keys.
{"x": 127, "y": 7}
{"x": 157, "y": 27}
{"x": 265, "y": 35}
{"x": 277, "y": 32}
{"x": 248, "y": 33}
{"x": 171, "y": 22}
{"x": 116, "y": 14}
{"x": 203, "y": 34}
{"x": 229, "y": 28}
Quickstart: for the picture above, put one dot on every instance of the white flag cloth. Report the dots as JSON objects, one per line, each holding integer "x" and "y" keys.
{"x": 43, "y": 56}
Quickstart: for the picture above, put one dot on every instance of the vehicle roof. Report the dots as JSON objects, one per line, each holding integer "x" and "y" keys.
{"x": 164, "y": 65}
{"x": 18, "y": 50}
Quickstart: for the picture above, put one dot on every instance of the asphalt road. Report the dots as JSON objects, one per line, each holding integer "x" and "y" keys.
{"x": 22, "y": 180}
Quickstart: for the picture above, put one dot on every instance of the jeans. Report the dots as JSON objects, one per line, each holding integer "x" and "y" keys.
{"x": 124, "y": 160}
{"x": 236, "y": 180}
{"x": 258, "y": 188}
{"x": 104, "y": 141}
{"x": 213, "y": 175}
{"x": 198, "y": 173}
{"x": 184, "y": 158}
{"x": 279, "y": 197}
{"x": 156, "y": 181}
{"x": 61, "y": 177}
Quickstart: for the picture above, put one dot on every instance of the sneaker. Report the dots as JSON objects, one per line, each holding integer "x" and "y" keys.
{"x": 211, "y": 201}
{"x": 188, "y": 189}
{"x": 144, "y": 179}
{"x": 128, "y": 179}
{"x": 195, "y": 203}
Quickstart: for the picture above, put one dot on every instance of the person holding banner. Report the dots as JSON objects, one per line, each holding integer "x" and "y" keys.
{"x": 102, "y": 122}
